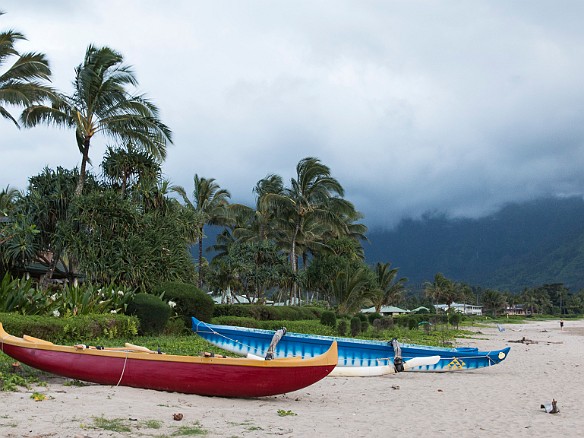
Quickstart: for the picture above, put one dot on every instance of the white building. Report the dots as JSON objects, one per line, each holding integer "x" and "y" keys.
{"x": 386, "y": 310}
{"x": 465, "y": 309}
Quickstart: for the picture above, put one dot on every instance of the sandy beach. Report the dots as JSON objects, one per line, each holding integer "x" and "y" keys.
{"x": 503, "y": 400}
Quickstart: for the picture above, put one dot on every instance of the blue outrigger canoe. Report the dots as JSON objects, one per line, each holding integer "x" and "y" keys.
{"x": 352, "y": 352}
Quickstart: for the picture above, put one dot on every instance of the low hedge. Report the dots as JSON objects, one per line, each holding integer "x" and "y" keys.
{"x": 268, "y": 313}
{"x": 80, "y": 328}
{"x": 299, "y": 326}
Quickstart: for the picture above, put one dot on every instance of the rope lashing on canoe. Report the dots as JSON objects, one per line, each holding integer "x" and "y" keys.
{"x": 235, "y": 341}
{"x": 398, "y": 362}
{"x": 275, "y": 339}
{"x": 123, "y": 369}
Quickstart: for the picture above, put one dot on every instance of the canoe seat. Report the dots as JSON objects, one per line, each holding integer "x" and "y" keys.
{"x": 35, "y": 340}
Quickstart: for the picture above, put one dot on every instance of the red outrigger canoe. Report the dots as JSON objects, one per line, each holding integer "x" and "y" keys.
{"x": 142, "y": 368}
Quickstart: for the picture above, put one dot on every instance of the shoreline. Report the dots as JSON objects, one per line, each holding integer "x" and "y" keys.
{"x": 503, "y": 399}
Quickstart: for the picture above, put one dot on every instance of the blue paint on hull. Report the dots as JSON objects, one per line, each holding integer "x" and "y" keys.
{"x": 352, "y": 352}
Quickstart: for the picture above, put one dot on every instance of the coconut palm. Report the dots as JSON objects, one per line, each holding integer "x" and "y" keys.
{"x": 350, "y": 289}
{"x": 442, "y": 290}
{"x": 210, "y": 203}
{"x": 23, "y": 82}
{"x": 256, "y": 225}
{"x": 100, "y": 103}
{"x": 494, "y": 302}
{"x": 310, "y": 194}
{"x": 390, "y": 290}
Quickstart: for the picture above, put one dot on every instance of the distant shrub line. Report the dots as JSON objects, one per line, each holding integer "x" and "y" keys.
{"x": 268, "y": 313}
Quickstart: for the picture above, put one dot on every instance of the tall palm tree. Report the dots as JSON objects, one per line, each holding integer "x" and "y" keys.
{"x": 494, "y": 301}
{"x": 442, "y": 290}
{"x": 309, "y": 195}
{"x": 100, "y": 103}
{"x": 23, "y": 82}
{"x": 210, "y": 202}
{"x": 253, "y": 225}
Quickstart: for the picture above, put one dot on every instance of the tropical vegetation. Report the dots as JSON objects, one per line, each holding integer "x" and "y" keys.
{"x": 73, "y": 233}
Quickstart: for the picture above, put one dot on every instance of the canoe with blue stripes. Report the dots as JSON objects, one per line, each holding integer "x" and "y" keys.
{"x": 351, "y": 352}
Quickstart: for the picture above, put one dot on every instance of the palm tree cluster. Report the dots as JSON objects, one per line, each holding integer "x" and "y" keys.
{"x": 124, "y": 226}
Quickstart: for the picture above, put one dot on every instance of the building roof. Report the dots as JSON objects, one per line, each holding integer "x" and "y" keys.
{"x": 385, "y": 309}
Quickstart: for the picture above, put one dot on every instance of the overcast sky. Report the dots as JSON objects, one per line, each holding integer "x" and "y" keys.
{"x": 454, "y": 106}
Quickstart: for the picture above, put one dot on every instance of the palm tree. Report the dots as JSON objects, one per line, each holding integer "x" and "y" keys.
{"x": 390, "y": 290}
{"x": 259, "y": 224}
{"x": 310, "y": 194}
{"x": 8, "y": 197}
{"x": 494, "y": 301}
{"x": 442, "y": 290}
{"x": 22, "y": 84}
{"x": 350, "y": 289}
{"x": 100, "y": 103}
{"x": 210, "y": 205}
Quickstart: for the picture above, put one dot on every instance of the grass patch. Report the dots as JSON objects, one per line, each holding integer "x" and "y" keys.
{"x": 113, "y": 425}
{"x": 283, "y": 413}
{"x": 188, "y": 345}
{"x": 21, "y": 376}
{"x": 254, "y": 428}
{"x": 11, "y": 381}
{"x": 192, "y": 430}
{"x": 153, "y": 424}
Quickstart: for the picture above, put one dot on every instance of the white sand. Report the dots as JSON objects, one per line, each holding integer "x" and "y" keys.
{"x": 503, "y": 400}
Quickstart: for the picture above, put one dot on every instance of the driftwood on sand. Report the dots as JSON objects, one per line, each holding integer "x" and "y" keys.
{"x": 524, "y": 340}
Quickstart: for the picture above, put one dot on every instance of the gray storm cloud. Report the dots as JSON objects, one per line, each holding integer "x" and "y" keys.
{"x": 416, "y": 106}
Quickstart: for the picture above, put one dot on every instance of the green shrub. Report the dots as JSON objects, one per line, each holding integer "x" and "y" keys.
{"x": 383, "y": 323}
{"x": 152, "y": 312}
{"x": 342, "y": 327}
{"x": 373, "y": 316}
{"x": 455, "y": 319}
{"x": 188, "y": 301}
{"x": 412, "y": 323}
{"x": 355, "y": 326}
{"x": 362, "y": 316}
{"x": 328, "y": 318}
{"x": 364, "y": 326}
{"x": 81, "y": 328}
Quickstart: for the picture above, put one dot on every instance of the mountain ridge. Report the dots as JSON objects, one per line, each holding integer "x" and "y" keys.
{"x": 521, "y": 245}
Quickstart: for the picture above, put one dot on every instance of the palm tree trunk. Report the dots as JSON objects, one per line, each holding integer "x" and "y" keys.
{"x": 294, "y": 289}
{"x": 83, "y": 170}
{"x": 200, "y": 260}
